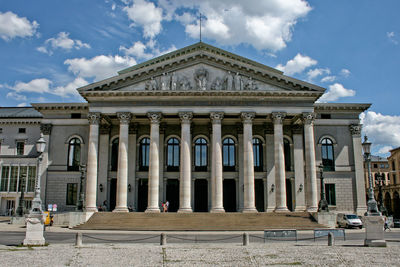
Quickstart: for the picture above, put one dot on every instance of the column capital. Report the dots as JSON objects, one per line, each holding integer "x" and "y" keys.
{"x": 105, "y": 128}
{"x": 278, "y": 117}
{"x": 124, "y": 117}
{"x": 355, "y": 129}
{"x": 308, "y": 117}
{"x": 93, "y": 117}
{"x": 45, "y": 128}
{"x": 247, "y": 117}
{"x": 185, "y": 117}
{"x": 216, "y": 117}
{"x": 154, "y": 117}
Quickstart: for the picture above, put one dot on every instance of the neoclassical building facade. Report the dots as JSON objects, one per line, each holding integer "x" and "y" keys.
{"x": 205, "y": 130}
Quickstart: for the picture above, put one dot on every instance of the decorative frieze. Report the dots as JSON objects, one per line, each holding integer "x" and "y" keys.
{"x": 45, "y": 128}
{"x": 124, "y": 117}
{"x": 355, "y": 129}
{"x": 309, "y": 117}
{"x": 154, "y": 117}
{"x": 216, "y": 117}
{"x": 185, "y": 117}
{"x": 93, "y": 117}
{"x": 278, "y": 117}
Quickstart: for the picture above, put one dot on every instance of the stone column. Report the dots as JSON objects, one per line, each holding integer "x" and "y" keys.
{"x": 280, "y": 177}
{"x": 104, "y": 148}
{"x": 154, "y": 164}
{"x": 248, "y": 162}
{"x": 91, "y": 175}
{"x": 270, "y": 164}
{"x": 361, "y": 206}
{"x": 239, "y": 130}
{"x": 122, "y": 174}
{"x": 216, "y": 164}
{"x": 132, "y": 166}
{"x": 298, "y": 152}
{"x": 311, "y": 168}
{"x": 186, "y": 163}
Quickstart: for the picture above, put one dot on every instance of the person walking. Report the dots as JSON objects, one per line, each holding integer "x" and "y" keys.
{"x": 167, "y": 205}
{"x": 386, "y": 225}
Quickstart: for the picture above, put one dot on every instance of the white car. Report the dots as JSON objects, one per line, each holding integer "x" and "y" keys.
{"x": 349, "y": 221}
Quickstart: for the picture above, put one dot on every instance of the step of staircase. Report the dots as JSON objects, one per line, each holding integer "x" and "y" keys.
{"x": 139, "y": 221}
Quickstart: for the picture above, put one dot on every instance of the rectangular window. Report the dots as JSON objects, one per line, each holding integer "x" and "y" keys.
{"x": 1, "y": 130}
{"x": 72, "y": 190}
{"x": 22, "y": 178}
{"x": 394, "y": 178}
{"x": 13, "y": 179}
{"x": 20, "y": 147}
{"x": 21, "y": 130}
{"x": 31, "y": 179}
{"x": 76, "y": 116}
{"x": 330, "y": 194}
{"x": 325, "y": 116}
{"x": 375, "y": 165}
{"x": 4, "y": 178}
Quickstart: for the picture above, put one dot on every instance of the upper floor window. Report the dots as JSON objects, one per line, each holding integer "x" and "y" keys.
{"x": 144, "y": 149}
{"x": 21, "y": 130}
{"x": 258, "y": 154}
{"x": 173, "y": 154}
{"x": 287, "y": 154}
{"x": 74, "y": 154}
{"x": 228, "y": 154}
{"x": 114, "y": 154}
{"x": 20, "y": 147}
{"x": 200, "y": 154}
{"x": 327, "y": 154}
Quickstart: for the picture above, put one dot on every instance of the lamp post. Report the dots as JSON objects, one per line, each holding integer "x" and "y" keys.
{"x": 379, "y": 182}
{"x": 21, "y": 205}
{"x": 79, "y": 205}
{"x": 372, "y": 205}
{"x": 323, "y": 204}
{"x": 35, "y": 218}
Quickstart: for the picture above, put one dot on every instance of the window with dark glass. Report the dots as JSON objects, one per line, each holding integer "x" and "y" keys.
{"x": 228, "y": 154}
{"x": 144, "y": 149}
{"x": 257, "y": 155}
{"x": 72, "y": 190}
{"x": 5, "y": 171}
{"x": 21, "y": 130}
{"x": 74, "y": 154}
{"x": 114, "y": 154}
{"x": 327, "y": 154}
{"x": 200, "y": 154}
{"x": 22, "y": 178}
{"x": 20, "y": 147}
{"x": 287, "y": 154}
{"x": 173, "y": 154}
{"x": 330, "y": 194}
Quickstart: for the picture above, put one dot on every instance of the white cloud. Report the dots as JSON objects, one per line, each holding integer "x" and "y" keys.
{"x": 137, "y": 50}
{"x": 185, "y": 18}
{"x": 99, "y": 67}
{"x": 384, "y": 149}
{"x": 113, "y": 6}
{"x": 146, "y": 15}
{"x": 12, "y": 26}
{"x": 335, "y": 92}
{"x": 345, "y": 72}
{"x": 328, "y": 79}
{"x": 16, "y": 96}
{"x": 391, "y": 36}
{"x": 62, "y": 41}
{"x": 23, "y": 104}
{"x": 35, "y": 86}
{"x": 296, "y": 65}
{"x": 382, "y": 130}
{"x": 70, "y": 89}
{"x": 312, "y": 74}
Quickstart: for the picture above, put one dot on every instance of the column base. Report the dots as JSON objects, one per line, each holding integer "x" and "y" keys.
{"x": 120, "y": 209}
{"x": 217, "y": 210}
{"x": 91, "y": 209}
{"x": 270, "y": 209}
{"x": 281, "y": 209}
{"x": 312, "y": 209}
{"x": 249, "y": 210}
{"x": 152, "y": 210}
{"x": 185, "y": 210}
{"x": 300, "y": 209}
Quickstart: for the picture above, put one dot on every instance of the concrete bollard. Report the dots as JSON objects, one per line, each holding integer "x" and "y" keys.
{"x": 78, "y": 240}
{"x": 163, "y": 239}
{"x": 245, "y": 239}
{"x": 331, "y": 239}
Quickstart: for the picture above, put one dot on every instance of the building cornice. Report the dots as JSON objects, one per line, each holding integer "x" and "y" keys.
{"x": 341, "y": 107}
{"x": 20, "y": 121}
{"x": 60, "y": 106}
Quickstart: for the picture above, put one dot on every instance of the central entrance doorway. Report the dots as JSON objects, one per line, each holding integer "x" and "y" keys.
{"x": 259, "y": 195}
{"x": 229, "y": 195}
{"x": 113, "y": 193}
{"x": 142, "y": 194}
{"x": 200, "y": 195}
{"x": 289, "y": 194}
{"x": 172, "y": 195}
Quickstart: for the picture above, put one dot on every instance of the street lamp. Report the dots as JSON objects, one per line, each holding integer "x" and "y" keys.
{"x": 79, "y": 204}
{"x": 323, "y": 204}
{"x": 372, "y": 205}
{"x": 21, "y": 205}
{"x": 37, "y": 202}
{"x": 379, "y": 180}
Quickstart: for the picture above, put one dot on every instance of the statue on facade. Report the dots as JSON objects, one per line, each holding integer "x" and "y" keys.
{"x": 165, "y": 82}
{"x": 184, "y": 83}
{"x": 229, "y": 81}
{"x": 173, "y": 81}
{"x": 217, "y": 84}
{"x": 201, "y": 77}
{"x": 250, "y": 84}
{"x": 238, "y": 82}
{"x": 151, "y": 84}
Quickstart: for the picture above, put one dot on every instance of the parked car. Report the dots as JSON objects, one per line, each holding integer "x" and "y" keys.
{"x": 396, "y": 223}
{"x": 349, "y": 221}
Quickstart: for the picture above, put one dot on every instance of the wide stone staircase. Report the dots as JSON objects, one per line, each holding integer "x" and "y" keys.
{"x": 139, "y": 221}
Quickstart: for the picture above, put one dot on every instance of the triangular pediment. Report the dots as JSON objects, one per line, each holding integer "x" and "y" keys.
{"x": 200, "y": 67}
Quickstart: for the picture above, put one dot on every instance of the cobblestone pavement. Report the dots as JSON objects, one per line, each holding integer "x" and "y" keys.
{"x": 277, "y": 254}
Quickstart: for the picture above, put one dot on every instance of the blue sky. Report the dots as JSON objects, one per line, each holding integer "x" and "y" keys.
{"x": 352, "y": 48}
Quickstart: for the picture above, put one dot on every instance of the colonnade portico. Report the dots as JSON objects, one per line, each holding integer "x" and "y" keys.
{"x": 216, "y": 155}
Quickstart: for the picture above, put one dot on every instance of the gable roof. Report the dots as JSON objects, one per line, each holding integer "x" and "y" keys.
{"x": 22, "y": 112}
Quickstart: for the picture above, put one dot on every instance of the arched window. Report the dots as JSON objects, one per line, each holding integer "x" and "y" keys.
{"x": 144, "y": 149}
{"x": 114, "y": 154}
{"x": 200, "y": 154}
{"x": 228, "y": 154}
{"x": 287, "y": 153}
{"x": 258, "y": 155}
{"x": 173, "y": 154}
{"x": 327, "y": 154}
{"x": 74, "y": 154}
